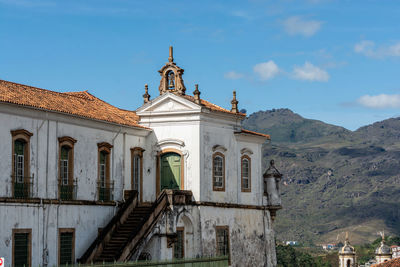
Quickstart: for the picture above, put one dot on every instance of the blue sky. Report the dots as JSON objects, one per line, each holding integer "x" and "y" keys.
{"x": 335, "y": 61}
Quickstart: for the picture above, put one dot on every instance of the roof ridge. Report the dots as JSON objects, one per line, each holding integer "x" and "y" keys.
{"x": 212, "y": 105}
{"x": 46, "y": 90}
{"x": 79, "y": 103}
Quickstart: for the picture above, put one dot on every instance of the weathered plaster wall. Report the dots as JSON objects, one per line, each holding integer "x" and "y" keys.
{"x": 45, "y": 220}
{"x": 44, "y": 153}
{"x": 223, "y": 135}
{"x": 188, "y": 134}
{"x": 252, "y": 241}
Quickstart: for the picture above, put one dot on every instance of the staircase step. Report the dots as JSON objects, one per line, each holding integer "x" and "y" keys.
{"x": 131, "y": 226}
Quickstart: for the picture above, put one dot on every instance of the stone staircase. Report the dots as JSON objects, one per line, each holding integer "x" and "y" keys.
{"x": 121, "y": 237}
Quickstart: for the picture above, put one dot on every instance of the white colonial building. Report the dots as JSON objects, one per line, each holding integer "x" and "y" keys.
{"x": 82, "y": 180}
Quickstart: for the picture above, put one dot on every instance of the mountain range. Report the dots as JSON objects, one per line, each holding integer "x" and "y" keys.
{"x": 334, "y": 180}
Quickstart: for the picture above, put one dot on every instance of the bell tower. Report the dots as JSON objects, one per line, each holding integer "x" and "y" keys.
{"x": 347, "y": 254}
{"x": 171, "y": 77}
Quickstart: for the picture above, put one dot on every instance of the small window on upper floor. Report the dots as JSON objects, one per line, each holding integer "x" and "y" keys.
{"x": 105, "y": 185}
{"x": 246, "y": 173}
{"x": 66, "y": 183}
{"x": 21, "y": 179}
{"x": 218, "y": 172}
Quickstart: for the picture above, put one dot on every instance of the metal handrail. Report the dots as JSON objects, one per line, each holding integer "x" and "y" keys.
{"x": 67, "y": 191}
{"x": 110, "y": 227}
{"x": 105, "y": 190}
{"x": 24, "y": 189}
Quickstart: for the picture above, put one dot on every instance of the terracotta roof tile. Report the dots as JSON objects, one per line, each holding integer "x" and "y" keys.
{"x": 255, "y": 133}
{"x": 81, "y": 104}
{"x": 392, "y": 263}
{"x": 214, "y": 107}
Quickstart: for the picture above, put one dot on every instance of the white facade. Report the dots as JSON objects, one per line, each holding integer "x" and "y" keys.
{"x": 174, "y": 124}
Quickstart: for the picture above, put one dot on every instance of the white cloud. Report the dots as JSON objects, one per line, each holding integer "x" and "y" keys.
{"x": 369, "y": 49}
{"x": 296, "y": 25}
{"x": 309, "y": 72}
{"x": 266, "y": 70}
{"x": 380, "y": 101}
{"x": 241, "y": 14}
{"x": 233, "y": 75}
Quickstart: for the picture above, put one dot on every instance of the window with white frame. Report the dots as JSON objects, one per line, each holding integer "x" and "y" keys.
{"x": 218, "y": 172}
{"x": 64, "y": 165}
{"x": 246, "y": 173}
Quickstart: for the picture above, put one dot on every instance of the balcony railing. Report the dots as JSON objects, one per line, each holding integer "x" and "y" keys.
{"x": 67, "y": 191}
{"x": 105, "y": 191}
{"x": 22, "y": 187}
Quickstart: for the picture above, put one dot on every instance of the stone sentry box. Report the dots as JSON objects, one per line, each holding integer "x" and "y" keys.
{"x": 272, "y": 178}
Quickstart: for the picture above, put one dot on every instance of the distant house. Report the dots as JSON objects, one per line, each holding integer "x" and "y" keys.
{"x": 328, "y": 246}
{"x": 390, "y": 263}
{"x": 395, "y": 251}
{"x": 292, "y": 243}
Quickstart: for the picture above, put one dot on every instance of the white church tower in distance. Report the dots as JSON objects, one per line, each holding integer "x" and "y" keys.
{"x": 347, "y": 254}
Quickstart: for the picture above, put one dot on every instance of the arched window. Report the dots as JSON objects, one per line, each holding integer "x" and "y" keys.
{"x": 21, "y": 178}
{"x": 66, "y": 183}
{"x": 105, "y": 186}
{"x": 348, "y": 263}
{"x": 137, "y": 174}
{"x": 218, "y": 171}
{"x": 246, "y": 173}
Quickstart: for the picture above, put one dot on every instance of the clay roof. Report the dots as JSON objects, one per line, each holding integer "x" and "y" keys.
{"x": 214, "y": 107}
{"x": 82, "y": 104}
{"x": 254, "y": 133}
{"x": 392, "y": 263}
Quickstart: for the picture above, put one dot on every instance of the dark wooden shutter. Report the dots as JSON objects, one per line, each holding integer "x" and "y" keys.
{"x": 66, "y": 247}
{"x": 179, "y": 246}
{"x": 21, "y": 250}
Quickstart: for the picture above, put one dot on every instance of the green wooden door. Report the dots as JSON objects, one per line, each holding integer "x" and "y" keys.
{"x": 170, "y": 171}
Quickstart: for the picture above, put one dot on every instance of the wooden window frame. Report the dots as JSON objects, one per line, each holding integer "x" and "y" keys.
{"x": 221, "y": 189}
{"x": 226, "y": 228}
{"x": 249, "y": 173}
{"x": 22, "y": 231}
{"x": 69, "y": 142}
{"x": 66, "y": 230}
{"x": 137, "y": 151}
{"x": 106, "y": 147}
{"x": 24, "y": 135}
{"x": 182, "y": 229}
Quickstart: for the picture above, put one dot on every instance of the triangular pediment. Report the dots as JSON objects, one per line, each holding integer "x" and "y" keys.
{"x": 167, "y": 103}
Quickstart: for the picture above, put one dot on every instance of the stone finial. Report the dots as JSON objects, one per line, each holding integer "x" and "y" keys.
{"x": 146, "y": 96}
{"x": 171, "y": 54}
{"x": 196, "y": 94}
{"x": 234, "y": 103}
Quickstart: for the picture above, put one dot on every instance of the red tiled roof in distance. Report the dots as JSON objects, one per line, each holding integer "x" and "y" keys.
{"x": 82, "y": 104}
{"x": 214, "y": 107}
{"x": 255, "y": 133}
{"x": 392, "y": 263}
